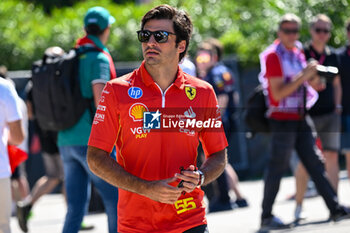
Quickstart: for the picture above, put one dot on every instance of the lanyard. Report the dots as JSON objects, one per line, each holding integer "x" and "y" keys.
{"x": 322, "y": 57}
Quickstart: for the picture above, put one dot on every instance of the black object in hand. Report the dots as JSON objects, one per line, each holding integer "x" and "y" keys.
{"x": 327, "y": 72}
{"x": 181, "y": 184}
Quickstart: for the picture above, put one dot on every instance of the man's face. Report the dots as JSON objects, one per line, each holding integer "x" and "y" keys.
{"x": 203, "y": 61}
{"x": 288, "y": 33}
{"x": 321, "y": 32}
{"x": 157, "y": 53}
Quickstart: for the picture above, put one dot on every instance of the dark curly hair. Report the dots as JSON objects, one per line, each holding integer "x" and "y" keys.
{"x": 181, "y": 22}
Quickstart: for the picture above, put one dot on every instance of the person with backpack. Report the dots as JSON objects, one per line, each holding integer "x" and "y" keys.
{"x": 291, "y": 83}
{"x": 95, "y": 69}
{"x": 52, "y": 161}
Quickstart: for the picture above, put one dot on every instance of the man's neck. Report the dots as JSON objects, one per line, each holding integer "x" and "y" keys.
{"x": 318, "y": 47}
{"x": 164, "y": 76}
{"x": 103, "y": 39}
{"x": 288, "y": 46}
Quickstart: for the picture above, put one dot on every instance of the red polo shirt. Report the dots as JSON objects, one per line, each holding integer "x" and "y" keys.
{"x": 152, "y": 154}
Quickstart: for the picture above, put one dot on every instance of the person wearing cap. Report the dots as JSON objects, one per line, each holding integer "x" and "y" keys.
{"x": 95, "y": 69}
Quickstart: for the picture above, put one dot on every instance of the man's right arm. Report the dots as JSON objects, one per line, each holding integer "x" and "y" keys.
{"x": 101, "y": 75}
{"x": 280, "y": 89}
{"x": 96, "y": 92}
{"x": 108, "y": 169}
{"x": 16, "y": 135}
{"x": 13, "y": 115}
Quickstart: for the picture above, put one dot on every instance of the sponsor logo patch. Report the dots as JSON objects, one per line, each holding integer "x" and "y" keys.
{"x": 98, "y": 118}
{"x": 135, "y": 92}
{"x": 101, "y": 108}
{"x": 190, "y": 113}
{"x": 136, "y": 111}
{"x": 139, "y": 132}
{"x": 190, "y": 92}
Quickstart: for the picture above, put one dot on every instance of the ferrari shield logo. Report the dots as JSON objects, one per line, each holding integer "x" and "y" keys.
{"x": 190, "y": 92}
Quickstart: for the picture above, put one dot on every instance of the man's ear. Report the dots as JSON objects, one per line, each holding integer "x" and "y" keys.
{"x": 181, "y": 46}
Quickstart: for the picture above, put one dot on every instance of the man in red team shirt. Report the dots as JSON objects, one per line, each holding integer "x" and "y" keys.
{"x": 155, "y": 169}
{"x": 286, "y": 77}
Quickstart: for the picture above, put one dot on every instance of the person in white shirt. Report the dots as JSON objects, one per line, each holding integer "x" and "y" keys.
{"x": 11, "y": 132}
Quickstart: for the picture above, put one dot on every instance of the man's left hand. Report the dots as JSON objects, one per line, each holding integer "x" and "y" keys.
{"x": 190, "y": 178}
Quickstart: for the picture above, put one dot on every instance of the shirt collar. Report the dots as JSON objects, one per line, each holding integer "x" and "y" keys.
{"x": 327, "y": 50}
{"x": 148, "y": 80}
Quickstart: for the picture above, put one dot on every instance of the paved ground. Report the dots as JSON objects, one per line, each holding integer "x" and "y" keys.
{"x": 50, "y": 210}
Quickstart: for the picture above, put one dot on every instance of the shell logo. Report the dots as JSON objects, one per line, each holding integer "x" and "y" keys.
{"x": 136, "y": 111}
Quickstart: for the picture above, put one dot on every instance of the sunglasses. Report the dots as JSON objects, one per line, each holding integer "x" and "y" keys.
{"x": 324, "y": 30}
{"x": 289, "y": 31}
{"x": 159, "y": 36}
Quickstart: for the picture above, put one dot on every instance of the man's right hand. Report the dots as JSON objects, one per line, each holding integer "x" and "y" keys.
{"x": 310, "y": 70}
{"x": 108, "y": 169}
{"x": 162, "y": 191}
{"x": 311, "y": 76}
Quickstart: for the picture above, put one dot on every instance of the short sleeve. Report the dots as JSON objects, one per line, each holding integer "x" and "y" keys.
{"x": 12, "y": 105}
{"x": 105, "y": 127}
{"x": 273, "y": 66}
{"x": 100, "y": 69}
{"x": 213, "y": 140}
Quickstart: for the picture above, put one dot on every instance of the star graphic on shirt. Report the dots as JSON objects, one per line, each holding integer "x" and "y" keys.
{"x": 155, "y": 115}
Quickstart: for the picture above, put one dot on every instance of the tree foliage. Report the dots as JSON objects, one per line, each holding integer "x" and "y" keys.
{"x": 244, "y": 27}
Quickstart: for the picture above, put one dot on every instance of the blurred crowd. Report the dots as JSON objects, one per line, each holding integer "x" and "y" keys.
{"x": 308, "y": 112}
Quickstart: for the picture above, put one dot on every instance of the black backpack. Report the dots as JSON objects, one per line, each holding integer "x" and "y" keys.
{"x": 57, "y": 97}
{"x": 256, "y": 108}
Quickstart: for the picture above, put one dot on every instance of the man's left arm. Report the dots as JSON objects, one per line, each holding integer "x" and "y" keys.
{"x": 337, "y": 94}
{"x": 212, "y": 168}
{"x": 101, "y": 74}
{"x": 214, "y": 145}
{"x": 97, "y": 89}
